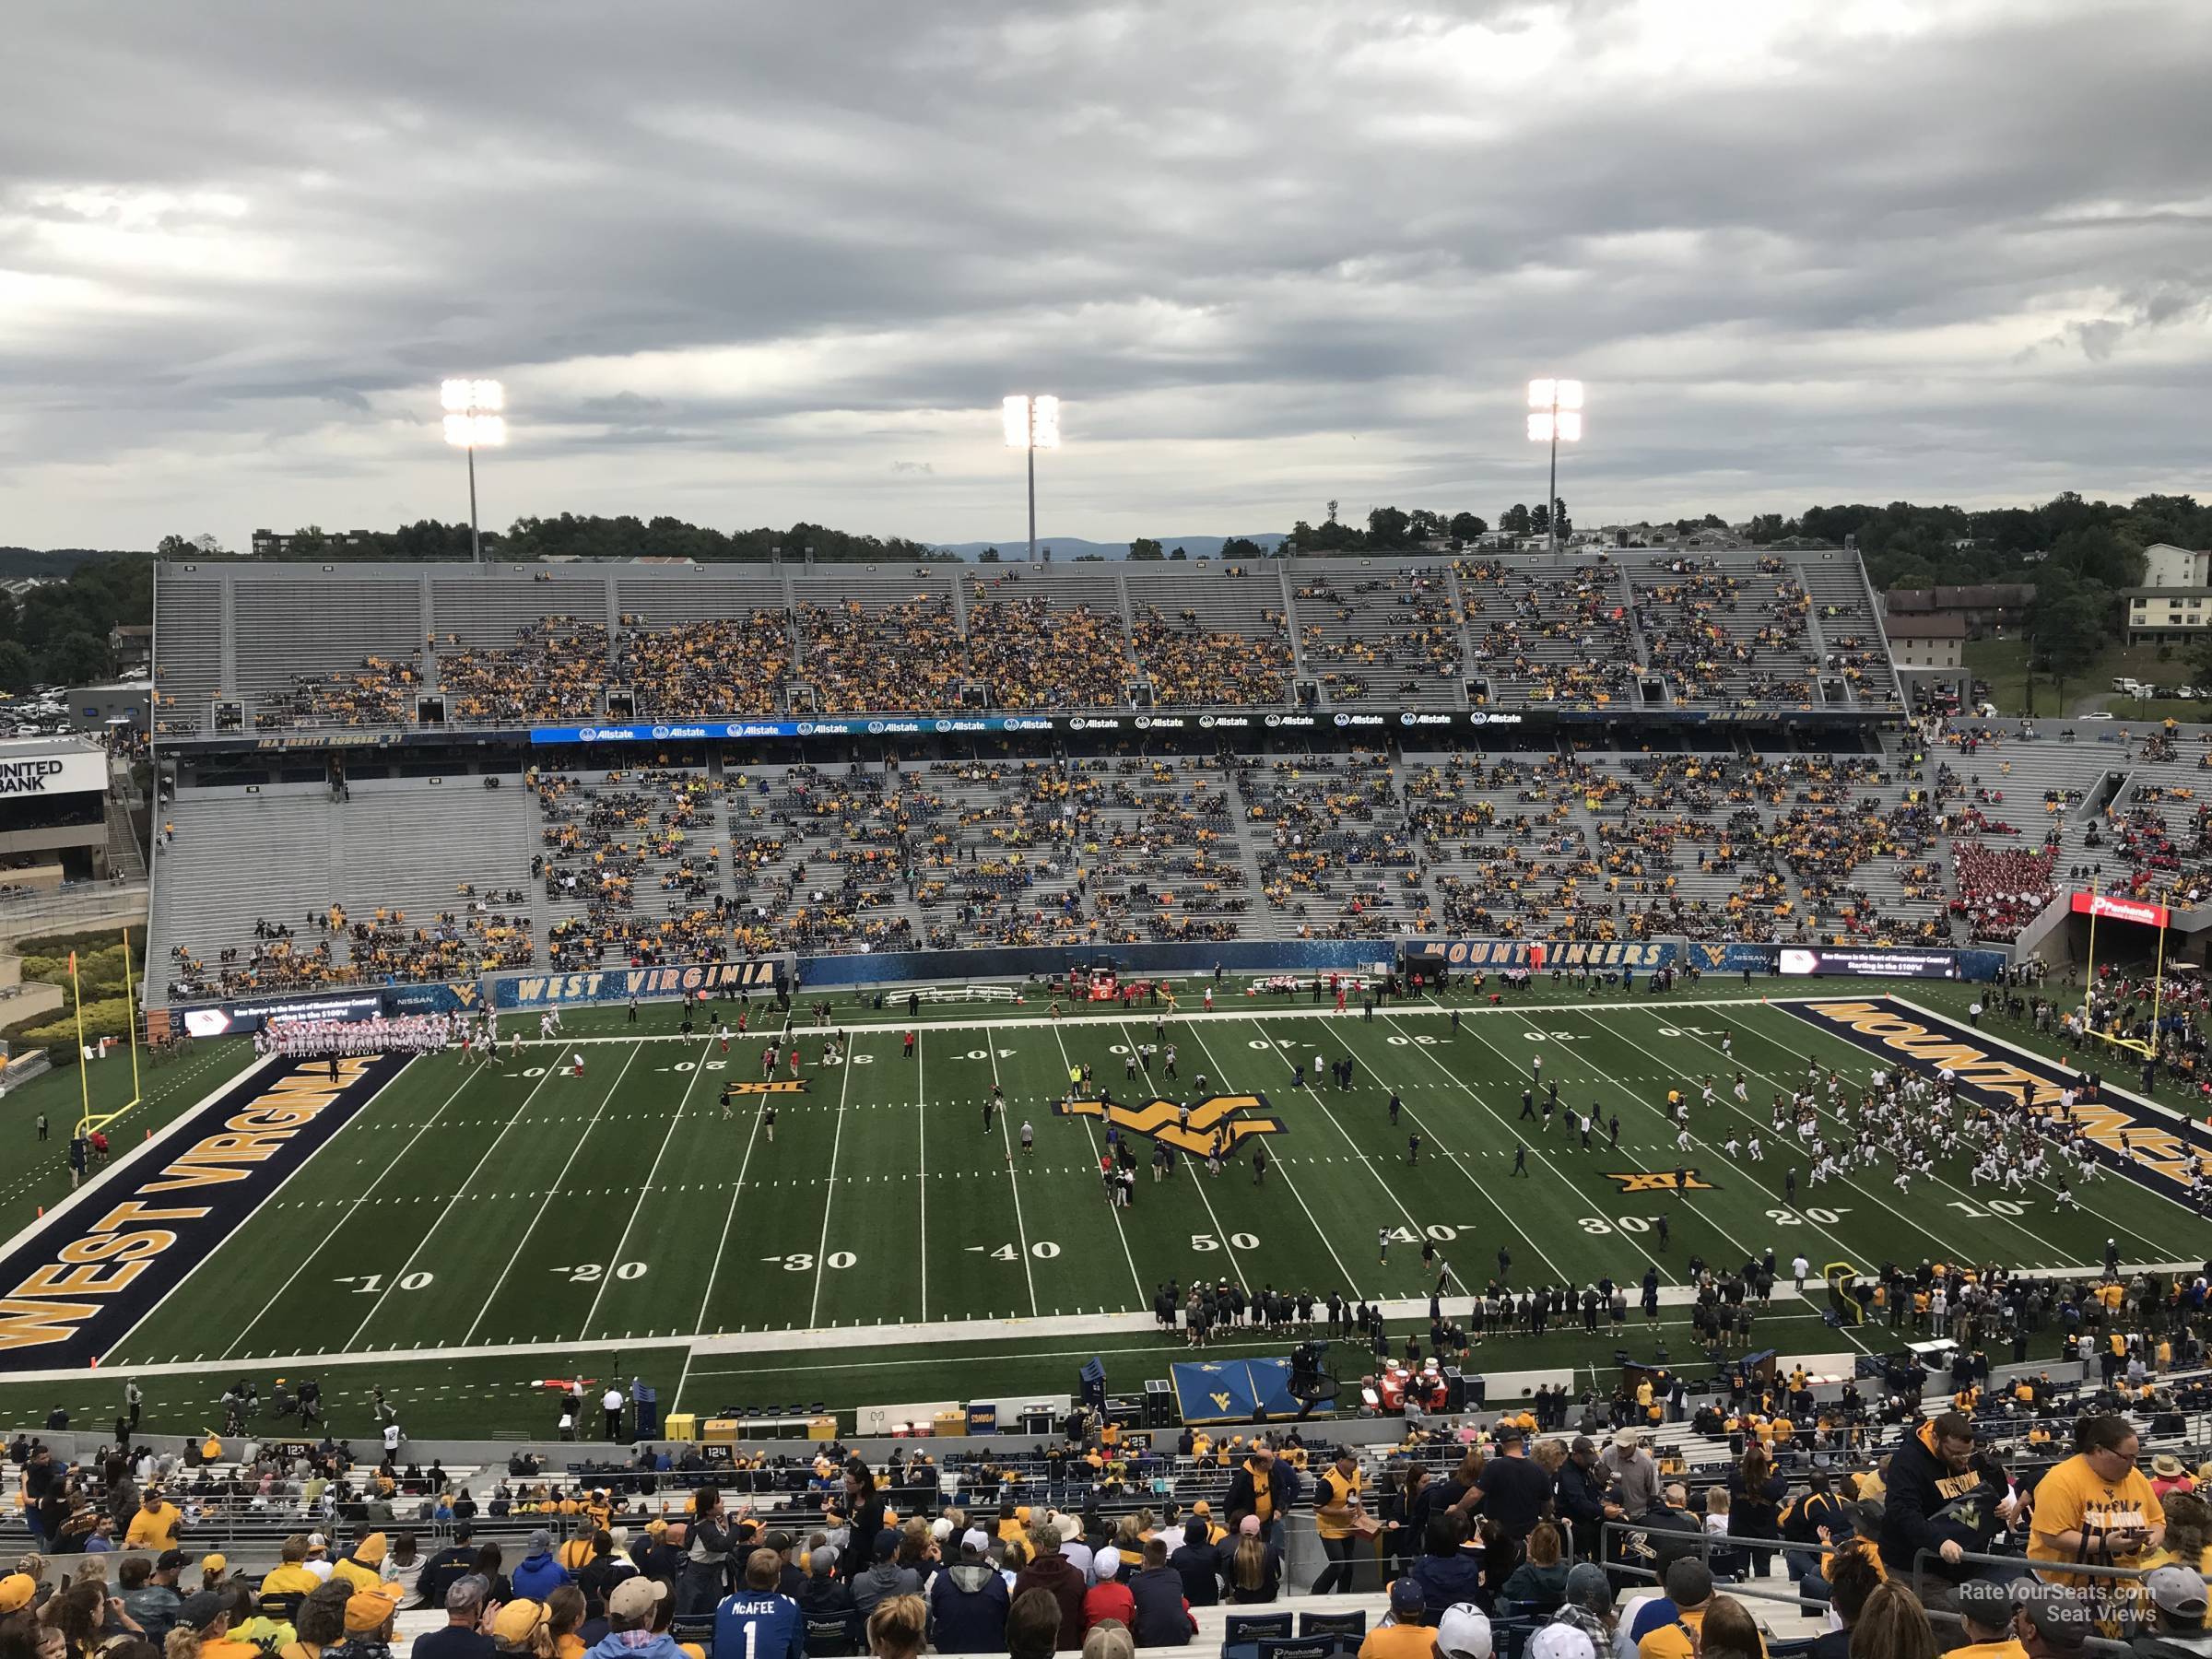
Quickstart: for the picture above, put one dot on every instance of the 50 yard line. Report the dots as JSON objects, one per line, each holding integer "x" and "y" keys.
{"x": 1006, "y": 1131}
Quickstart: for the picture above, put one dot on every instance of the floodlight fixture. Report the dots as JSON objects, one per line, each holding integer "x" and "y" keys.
{"x": 1031, "y": 422}
{"x": 473, "y": 422}
{"x": 1556, "y": 418}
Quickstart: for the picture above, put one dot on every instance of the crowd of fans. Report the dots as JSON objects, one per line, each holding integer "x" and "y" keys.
{"x": 555, "y": 669}
{"x": 735, "y": 666}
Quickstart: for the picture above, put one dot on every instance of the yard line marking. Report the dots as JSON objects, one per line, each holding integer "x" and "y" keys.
{"x": 350, "y": 1209}
{"x": 1369, "y": 1163}
{"x": 547, "y": 1202}
{"x": 1219, "y": 1231}
{"x": 721, "y": 1248}
{"x": 2141, "y": 1100}
{"x": 408, "y": 1265}
{"x": 1820, "y": 1110}
{"x": 698, "y": 1070}
{"x": 1136, "y": 1279}
{"x": 1351, "y": 1283}
{"x": 1006, "y": 1133}
{"x": 1546, "y": 1157}
{"x": 922, "y": 1150}
{"x": 821, "y": 1250}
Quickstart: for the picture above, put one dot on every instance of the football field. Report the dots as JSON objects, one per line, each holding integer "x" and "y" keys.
{"x": 467, "y": 1210}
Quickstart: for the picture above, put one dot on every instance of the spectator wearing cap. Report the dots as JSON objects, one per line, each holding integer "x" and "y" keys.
{"x": 18, "y": 1590}
{"x": 1667, "y": 1626}
{"x": 1631, "y": 1477}
{"x": 462, "y": 1636}
{"x": 202, "y": 1631}
{"x": 1857, "y": 1576}
{"x": 2052, "y": 1621}
{"x": 537, "y": 1575}
{"x": 149, "y": 1591}
{"x": 1049, "y": 1569}
{"x": 1109, "y": 1598}
{"x": 1986, "y": 1609}
{"x": 1556, "y": 1641}
{"x": 1464, "y": 1633}
{"x": 885, "y": 1577}
{"x": 519, "y": 1626}
{"x": 824, "y": 1596}
{"x": 968, "y": 1603}
{"x": 1253, "y": 1567}
{"x": 1405, "y": 1632}
{"x": 1588, "y": 1607}
{"x": 369, "y": 1616}
{"x": 1582, "y": 1495}
{"x": 2176, "y": 1626}
{"x": 631, "y": 1607}
{"x": 1163, "y": 1612}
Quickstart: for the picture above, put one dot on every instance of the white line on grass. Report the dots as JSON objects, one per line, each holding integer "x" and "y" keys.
{"x": 1545, "y": 1156}
{"x": 698, "y": 1070}
{"x": 922, "y": 1154}
{"x": 546, "y": 1203}
{"x": 1949, "y": 1248}
{"x": 1370, "y": 1165}
{"x": 1136, "y": 1279}
{"x": 349, "y": 1206}
{"x": 1219, "y": 1231}
{"x": 721, "y": 1248}
{"x": 1006, "y": 1131}
{"x": 407, "y": 1266}
{"x": 1351, "y": 1284}
{"x": 821, "y": 1250}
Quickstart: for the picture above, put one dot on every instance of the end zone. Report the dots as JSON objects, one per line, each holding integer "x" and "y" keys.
{"x": 79, "y": 1279}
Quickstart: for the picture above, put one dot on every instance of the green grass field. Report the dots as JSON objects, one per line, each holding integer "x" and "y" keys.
{"x": 621, "y": 1223}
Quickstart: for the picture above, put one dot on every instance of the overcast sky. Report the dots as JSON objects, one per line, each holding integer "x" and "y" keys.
{"x": 751, "y": 264}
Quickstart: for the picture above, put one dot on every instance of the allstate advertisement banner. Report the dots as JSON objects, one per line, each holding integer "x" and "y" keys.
{"x": 2158, "y": 1143}
{"x": 74, "y": 1285}
{"x": 1640, "y": 956}
{"x": 1232, "y": 1391}
{"x": 620, "y": 984}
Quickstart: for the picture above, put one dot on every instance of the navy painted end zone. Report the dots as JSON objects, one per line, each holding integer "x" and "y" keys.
{"x": 1900, "y": 1034}
{"x": 72, "y": 1288}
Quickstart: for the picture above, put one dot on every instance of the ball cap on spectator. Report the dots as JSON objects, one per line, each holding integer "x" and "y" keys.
{"x": 886, "y": 1545}
{"x": 1986, "y": 1601}
{"x": 1202, "y": 1508}
{"x": 15, "y": 1591}
{"x": 171, "y": 1560}
{"x": 977, "y": 1539}
{"x": 2062, "y": 1617}
{"x": 214, "y": 1563}
{"x": 635, "y": 1598}
{"x": 1689, "y": 1583}
{"x": 370, "y": 1609}
{"x": 1407, "y": 1595}
{"x": 515, "y": 1622}
{"x": 2177, "y": 1589}
{"x": 1587, "y": 1586}
{"x": 1249, "y": 1527}
{"x": 1560, "y": 1642}
{"x": 1107, "y": 1563}
{"x": 202, "y": 1608}
{"x": 1626, "y": 1439}
{"x": 1464, "y": 1633}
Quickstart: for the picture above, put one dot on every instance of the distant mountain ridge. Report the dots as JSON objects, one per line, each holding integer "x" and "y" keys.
{"x": 1068, "y": 548}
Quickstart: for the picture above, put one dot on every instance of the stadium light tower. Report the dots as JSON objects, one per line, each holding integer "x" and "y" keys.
{"x": 474, "y": 420}
{"x": 1032, "y": 423}
{"x": 1558, "y": 405}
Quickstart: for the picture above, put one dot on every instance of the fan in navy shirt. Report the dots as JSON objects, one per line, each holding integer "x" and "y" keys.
{"x": 758, "y": 1622}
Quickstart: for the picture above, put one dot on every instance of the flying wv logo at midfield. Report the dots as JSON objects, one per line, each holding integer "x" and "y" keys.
{"x": 1162, "y": 1120}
